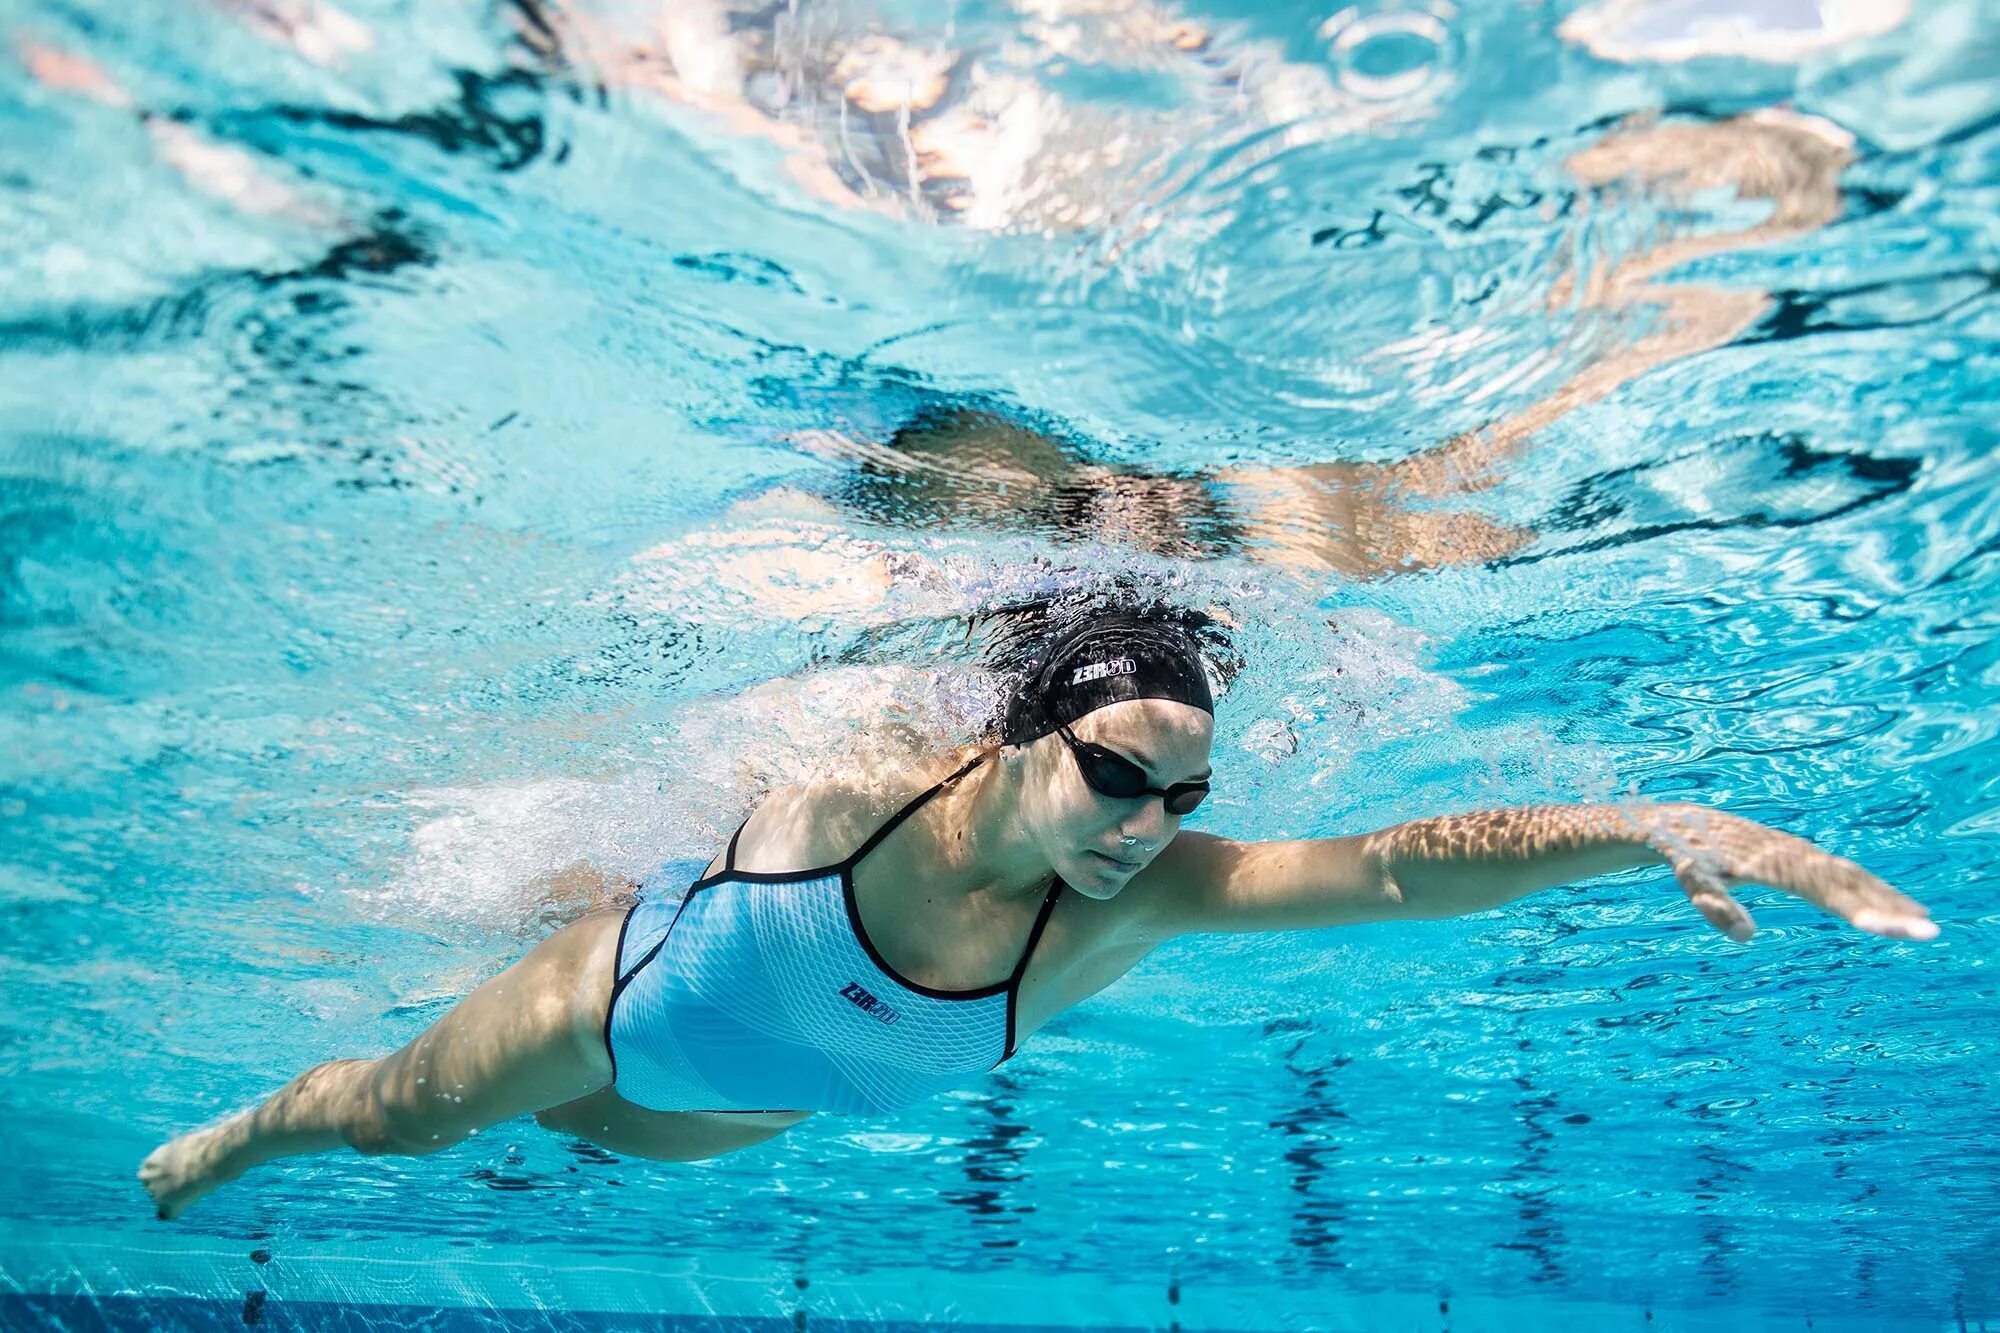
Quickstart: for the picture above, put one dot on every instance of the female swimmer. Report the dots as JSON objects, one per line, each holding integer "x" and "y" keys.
{"x": 861, "y": 945}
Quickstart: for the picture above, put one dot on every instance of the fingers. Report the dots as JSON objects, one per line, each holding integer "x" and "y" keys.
{"x": 1710, "y": 896}
{"x": 1711, "y": 850}
{"x": 1901, "y": 927}
{"x": 1846, "y": 890}
{"x": 1727, "y": 915}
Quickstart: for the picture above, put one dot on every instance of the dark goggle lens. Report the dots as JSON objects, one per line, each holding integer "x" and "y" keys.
{"x": 1115, "y": 776}
{"x": 1112, "y": 776}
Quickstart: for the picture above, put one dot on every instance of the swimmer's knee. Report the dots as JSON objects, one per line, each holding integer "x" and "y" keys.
{"x": 385, "y": 1125}
{"x": 378, "y": 1133}
{"x": 371, "y": 1131}
{"x": 351, "y": 1098}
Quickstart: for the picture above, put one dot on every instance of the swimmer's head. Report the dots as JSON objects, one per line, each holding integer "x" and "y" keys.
{"x": 1108, "y": 658}
{"x": 1110, "y": 729}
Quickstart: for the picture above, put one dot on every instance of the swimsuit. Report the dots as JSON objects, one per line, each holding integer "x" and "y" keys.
{"x": 762, "y": 992}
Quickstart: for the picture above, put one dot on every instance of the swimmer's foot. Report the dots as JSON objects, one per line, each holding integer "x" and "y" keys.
{"x": 179, "y": 1172}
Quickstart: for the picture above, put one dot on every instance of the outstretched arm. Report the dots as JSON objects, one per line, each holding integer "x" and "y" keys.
{"x": 1456, "y": 864}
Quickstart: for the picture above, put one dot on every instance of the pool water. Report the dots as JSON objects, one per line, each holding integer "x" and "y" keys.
{"x": 440, "y": 444}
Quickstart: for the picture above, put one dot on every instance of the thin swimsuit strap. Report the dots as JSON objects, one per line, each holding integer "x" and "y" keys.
{"x": 875, "y": 840}
{"x": 1035, "y": 932}
{"x": 1021, "y": 969}
{"x": 854, "y": 858}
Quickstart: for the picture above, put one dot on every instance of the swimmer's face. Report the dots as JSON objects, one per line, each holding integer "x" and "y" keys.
{"x": 1082, "y": 831}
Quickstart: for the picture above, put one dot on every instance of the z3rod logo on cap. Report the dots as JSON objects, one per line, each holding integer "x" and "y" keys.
{"x": 1117, "y": 666}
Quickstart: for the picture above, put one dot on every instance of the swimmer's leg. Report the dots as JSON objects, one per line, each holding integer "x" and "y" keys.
{"x": 609, "y": 1121}
{"x": 532, "y": 1037}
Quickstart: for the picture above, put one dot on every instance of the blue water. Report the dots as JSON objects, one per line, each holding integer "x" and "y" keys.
{"x": 440, "y": 444}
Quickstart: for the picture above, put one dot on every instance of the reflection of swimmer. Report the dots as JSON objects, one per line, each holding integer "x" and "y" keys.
{"x": 1366, "y": 519}
{"x": 973, "y": 133}
{"x": 866, "y": 943}
{"x": 1791, "y": 163}
{"x": 975, "y": 466}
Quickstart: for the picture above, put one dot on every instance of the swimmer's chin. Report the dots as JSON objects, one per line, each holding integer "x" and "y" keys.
{"x": 1099, "y": 876}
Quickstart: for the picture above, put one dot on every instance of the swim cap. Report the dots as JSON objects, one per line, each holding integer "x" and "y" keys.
{"x": 1107, "y": 660}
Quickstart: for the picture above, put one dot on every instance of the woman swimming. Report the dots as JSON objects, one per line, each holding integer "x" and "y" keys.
{"x": 863, "y": 944}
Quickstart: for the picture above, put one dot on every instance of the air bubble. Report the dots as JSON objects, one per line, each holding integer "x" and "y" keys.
{"x": 1387, "y": 54}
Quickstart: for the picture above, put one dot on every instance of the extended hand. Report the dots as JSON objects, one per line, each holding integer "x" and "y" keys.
{"x": 1712, "y": 852}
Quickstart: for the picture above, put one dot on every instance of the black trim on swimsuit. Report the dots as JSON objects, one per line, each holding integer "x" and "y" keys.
{"x": 1021, "y": 968}
{"x": 875, "y": 955}
{"x": 620, "y": 982}
{"x": 617, "y": 984}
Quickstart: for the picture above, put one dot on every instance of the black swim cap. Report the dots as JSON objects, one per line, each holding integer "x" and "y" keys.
{"x": 1106, "y": 660}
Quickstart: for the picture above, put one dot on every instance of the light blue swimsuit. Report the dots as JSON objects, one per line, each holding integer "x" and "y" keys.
{"x": 762, "y": 992}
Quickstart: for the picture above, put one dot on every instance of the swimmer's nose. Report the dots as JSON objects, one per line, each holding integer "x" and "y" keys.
{"x": 1149, "y": 824}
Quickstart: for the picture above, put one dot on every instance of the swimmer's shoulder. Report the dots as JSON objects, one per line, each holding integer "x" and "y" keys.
{"x": 813, "y": 824}
{"x": 802, "y": 827}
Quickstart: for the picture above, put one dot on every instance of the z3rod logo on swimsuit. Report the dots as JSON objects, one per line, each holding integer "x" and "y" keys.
{"x": 1117, "y": 666}
{"x": 868, "y": 1003}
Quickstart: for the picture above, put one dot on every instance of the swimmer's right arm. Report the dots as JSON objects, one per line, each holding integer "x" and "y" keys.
{"x": 1459, "y": 864}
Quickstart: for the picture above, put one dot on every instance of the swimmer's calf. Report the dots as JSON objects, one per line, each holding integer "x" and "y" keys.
{"x": 328, "y": 1106}
{"x": 525, "y": 1041}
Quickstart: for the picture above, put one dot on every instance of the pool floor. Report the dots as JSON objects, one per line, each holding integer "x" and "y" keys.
{"x": 80, "y": 1283}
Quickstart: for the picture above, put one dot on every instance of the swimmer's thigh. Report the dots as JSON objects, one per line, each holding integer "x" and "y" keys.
{"x": 532, "y": 1037}
{"x": 609, "y": 1121}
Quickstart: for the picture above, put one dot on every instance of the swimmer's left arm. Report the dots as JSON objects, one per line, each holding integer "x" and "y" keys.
{"x": 1458, "y": 864}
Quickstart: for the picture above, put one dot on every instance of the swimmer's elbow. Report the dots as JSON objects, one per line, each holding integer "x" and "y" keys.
{"x": 1387, "y": 889}
{"x": 1365, "y": 890}
{"x": 1300, "y": 885}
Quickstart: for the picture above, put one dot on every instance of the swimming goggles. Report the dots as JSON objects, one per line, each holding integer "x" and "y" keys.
{"x": 1110, "y": 774}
